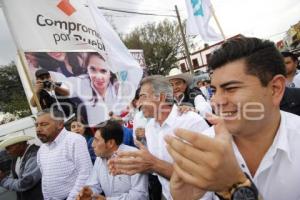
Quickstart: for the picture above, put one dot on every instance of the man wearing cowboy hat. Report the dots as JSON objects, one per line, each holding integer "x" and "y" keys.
{"x": 186, "y": 98}
{"x": 25, "y": 175}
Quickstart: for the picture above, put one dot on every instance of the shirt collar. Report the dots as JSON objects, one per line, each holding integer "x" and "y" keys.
{"x": 121, "y": 147}
{"x": 59, "y": 138}
{"x": 281, "y": 139}
{"x": 171, "y": 119}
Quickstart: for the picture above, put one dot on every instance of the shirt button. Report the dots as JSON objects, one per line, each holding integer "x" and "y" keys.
{"x": 243, "y": 166}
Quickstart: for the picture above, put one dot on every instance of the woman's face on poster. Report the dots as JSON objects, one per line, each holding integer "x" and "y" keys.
{"x": 32, "y": 60}
{"x": 59, "y": 56}
{"x": 99, "y": 73}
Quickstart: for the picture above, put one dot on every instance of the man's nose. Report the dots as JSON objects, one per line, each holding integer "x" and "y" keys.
{"x": 218, "y": 99}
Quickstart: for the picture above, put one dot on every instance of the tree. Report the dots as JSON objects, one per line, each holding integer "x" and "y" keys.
{"x": 13, "y": 99}
{"x": 161, "y": 44}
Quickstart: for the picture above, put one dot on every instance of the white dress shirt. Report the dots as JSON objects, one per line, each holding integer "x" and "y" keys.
{"x": 204, "y": 92}
{"x": 296, "y": 80}
{"x": 278, "y": 175}
{"x": 139, "y": 121}
{"x": 155, "y": 137}
{"x": 202, "y": 106}
{"x": 120, "y": 187}
{"x": 65, "y": 165}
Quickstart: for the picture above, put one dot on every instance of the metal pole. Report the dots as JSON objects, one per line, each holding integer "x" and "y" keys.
{"x": 217, "y": 21}
{"x": 184, "y": 42}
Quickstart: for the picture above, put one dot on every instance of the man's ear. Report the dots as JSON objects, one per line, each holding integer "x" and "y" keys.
{"x": 278, "y": 88}
{"x": 60, "y": 124}
{"x": 110, "y": 143}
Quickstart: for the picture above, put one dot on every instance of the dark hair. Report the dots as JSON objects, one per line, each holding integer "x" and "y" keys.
{"x": 112, "y": 79}
{"x": 286, "y": 54}
{"x": 207, "y": 81}
{"x": 137, "y": 94}
{"x": 262, "y": 58}
{"x": 47, "y": 62}
{"x": 87, "y": 130}
{"x": 111, "y": 130}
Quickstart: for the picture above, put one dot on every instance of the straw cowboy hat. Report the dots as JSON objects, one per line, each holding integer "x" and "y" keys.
{"x": 13, "y": 139}
{"x": 176, "y": 73}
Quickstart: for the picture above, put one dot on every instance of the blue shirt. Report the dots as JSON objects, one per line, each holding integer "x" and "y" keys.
{"x": 128, "y": 136}
{"x": 89, "y": 141}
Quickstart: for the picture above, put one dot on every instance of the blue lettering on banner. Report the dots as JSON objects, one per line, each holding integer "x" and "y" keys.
{"x": 197, "y": 7}
{"x": 123, "y": 75}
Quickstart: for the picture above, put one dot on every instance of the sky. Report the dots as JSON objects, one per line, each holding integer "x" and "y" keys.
{"x": 268, "y": 19}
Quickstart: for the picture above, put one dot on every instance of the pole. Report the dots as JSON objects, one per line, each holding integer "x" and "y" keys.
{"x": 188, "y": 57}
{"x": 23, "y": 60}
{"x": 217, "y": 21}
{"x": 25, "y": 69}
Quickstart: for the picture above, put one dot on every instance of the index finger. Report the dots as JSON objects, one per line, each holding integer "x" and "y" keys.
{"x": 198, "y": 140}
{"x": 124, "y": 154}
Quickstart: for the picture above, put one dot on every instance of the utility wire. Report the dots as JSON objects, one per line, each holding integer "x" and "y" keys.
{"x": 136, "y": 2}
{"x": 134, "y": 12}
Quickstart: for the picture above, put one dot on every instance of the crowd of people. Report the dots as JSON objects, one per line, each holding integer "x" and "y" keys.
{"x": 232, "y": 137}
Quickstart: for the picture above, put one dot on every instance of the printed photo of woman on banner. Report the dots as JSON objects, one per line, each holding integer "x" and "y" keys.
{"x": 91, "y": 87}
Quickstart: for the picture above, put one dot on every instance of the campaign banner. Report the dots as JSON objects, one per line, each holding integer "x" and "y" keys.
{"x": 199, "y": 14}
{"x": 138, "y": 55}
{"x": 90, "y": 71}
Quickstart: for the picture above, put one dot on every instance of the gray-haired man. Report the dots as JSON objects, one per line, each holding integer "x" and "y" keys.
{"x": 156, "y": 98}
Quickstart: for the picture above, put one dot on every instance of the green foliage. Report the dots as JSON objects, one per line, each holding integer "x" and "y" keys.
{"x": 12, "y": 95}
{"x": 161, "y": 43}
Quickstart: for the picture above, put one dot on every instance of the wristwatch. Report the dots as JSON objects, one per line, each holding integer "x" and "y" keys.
{"x": 240, "y": 191}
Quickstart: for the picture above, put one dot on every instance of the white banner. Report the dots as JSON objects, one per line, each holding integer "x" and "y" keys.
{"x": 80, "y": 49}
{"x": 199, "y": 14}
{"x": 138, "y": 55}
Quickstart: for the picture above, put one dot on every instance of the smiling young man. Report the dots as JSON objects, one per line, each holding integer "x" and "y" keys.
{"x": 255, "y": 149}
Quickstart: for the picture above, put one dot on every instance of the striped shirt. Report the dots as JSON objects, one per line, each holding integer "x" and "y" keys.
{"x": 65, "y": 166}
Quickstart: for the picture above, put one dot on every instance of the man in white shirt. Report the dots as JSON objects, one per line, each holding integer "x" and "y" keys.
{"x": 156, "y": 98}
{"x": 202, "y": 86}
{"x": 256, "y": 146}
{"x": 107, "y": 141}
{"x": 63, "y": 158}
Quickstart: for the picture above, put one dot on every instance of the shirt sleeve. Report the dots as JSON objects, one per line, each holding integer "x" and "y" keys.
{"x": 296, "y": 80}
{"x": 38, "y": 161}
{"x": 29, "y": 178}
{"x": 198, "y": 125}
{"x": 202, "y": 106}
{"x": 83, "y": 164}
{"x": 209, "y": 196}
{"x": 92, "y": 181}
{"x": 138, "y": 191}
